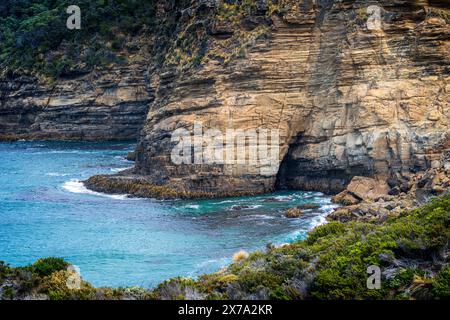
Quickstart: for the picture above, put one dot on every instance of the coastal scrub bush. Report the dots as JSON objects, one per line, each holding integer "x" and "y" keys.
{"x": 240, "y": 255}
{"x": 441, "y": 284}
{"x": 34, "y": 36}
{"x": 4, "y": 269}
{"x": 330, "y": 264}
{"x": 55, "y": 286}
{"x": 47, "y": 266}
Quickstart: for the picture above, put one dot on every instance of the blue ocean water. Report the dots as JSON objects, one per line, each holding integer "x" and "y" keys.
{"x": 119, "y": 241}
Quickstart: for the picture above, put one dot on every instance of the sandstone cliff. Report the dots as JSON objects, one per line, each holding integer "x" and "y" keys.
{"x": 107, "y": 105}
{"x": 348, "y": 100}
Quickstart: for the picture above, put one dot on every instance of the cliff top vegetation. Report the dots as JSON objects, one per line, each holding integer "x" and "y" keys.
{"x": 34, "y": 36}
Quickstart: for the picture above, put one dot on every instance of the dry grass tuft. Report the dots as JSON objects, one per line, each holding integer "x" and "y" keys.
{"x": 240, "y": 255}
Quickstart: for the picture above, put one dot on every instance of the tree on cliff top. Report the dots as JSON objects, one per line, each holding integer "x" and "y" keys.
{"x": 34, "y": 36}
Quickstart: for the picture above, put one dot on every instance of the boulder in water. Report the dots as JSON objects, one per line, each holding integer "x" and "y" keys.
{"x": 293, "y": 213}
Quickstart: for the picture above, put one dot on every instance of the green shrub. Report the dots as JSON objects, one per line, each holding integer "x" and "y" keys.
{"x": 47, "y": 266}
{"x": 4, "y": 269}
{"x": 333, "y": 260}
{"x": 252, "y": 280}
{"x": 441, "y": 284}
{"x": 330, "y": 264}
{"x": 34, "y": 36}
{"x": 55, "y": 286}
{"x": 332, "y": 228}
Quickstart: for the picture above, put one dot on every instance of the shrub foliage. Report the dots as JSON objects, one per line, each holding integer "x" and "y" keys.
{"x": 34, "y": 36}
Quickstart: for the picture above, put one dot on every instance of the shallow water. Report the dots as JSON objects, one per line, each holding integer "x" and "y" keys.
{"x": 119, "y": 241}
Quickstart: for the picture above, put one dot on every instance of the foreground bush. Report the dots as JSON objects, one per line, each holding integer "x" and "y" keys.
{"x": 47, "y": 266}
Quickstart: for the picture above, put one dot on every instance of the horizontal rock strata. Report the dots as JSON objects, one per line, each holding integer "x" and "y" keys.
{"x": 350, "y": 94}
{"x": 348, "y": 100}
{"x": 110, "y": 105}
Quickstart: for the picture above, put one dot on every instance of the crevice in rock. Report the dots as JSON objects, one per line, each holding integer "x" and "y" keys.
{"x": 305, "y": 174}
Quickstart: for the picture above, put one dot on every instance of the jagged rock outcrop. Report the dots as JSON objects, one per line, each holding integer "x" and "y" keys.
{"x": 366, "y": 199}
{"x": 348, "y": 99}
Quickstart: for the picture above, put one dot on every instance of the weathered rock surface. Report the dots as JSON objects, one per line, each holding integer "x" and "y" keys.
{"x": 362, "y": 188}
{"x": 109, "y": 105}
{"x": 422, "y": 186}
{"x": 348, "y": 101}
{"x": 293, "y": 213}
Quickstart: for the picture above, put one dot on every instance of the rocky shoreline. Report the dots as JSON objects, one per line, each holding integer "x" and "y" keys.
{"x": 362, "y": 114}
{"x": 143, "y": 187}
{"x": 367, "y": 199}
{"x": 363, "y": 199}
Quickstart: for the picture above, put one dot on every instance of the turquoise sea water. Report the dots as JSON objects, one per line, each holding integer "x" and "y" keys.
{"x": 120, "y": 241}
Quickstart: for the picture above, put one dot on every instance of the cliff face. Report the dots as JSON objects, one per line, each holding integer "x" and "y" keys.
{"x": 99, "y": 106}
{"x": 349, "y": 96}
{"x": 348, "y": 100}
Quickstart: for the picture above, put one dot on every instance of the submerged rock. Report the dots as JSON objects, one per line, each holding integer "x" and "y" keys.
{"x": 293, "y": 213}
{"x": 240, "y": 207}
{"x": 411, "y": 251}
{"x": 308, "y": 206}
{"x": 131, "y": 156}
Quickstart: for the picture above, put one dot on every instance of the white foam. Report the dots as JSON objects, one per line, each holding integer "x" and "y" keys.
{"x": 68, "y": 152}
{"x": 57, "y": 151}
{"x": 57, "y": 174}
{"x": 76, "y": 186}
{"x": 119, "y": 169}
{"x": 238, "y": 207}
{"x": 283, "y": 198}
{"x": 225, "y": 201}
{"x": 317, "y": 221}
{"x": 203, "y": 266}
{"x": 260, "y": 216}
{"x": 124, "y": 159}
{"x": 192, "y": 206}
{"x": 329, "y": 207}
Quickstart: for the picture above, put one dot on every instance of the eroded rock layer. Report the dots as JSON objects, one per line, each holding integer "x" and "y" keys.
{"x": 355, "y": 88}
{"x": 348, "y": 99}
{"x": 109, "y": 105}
